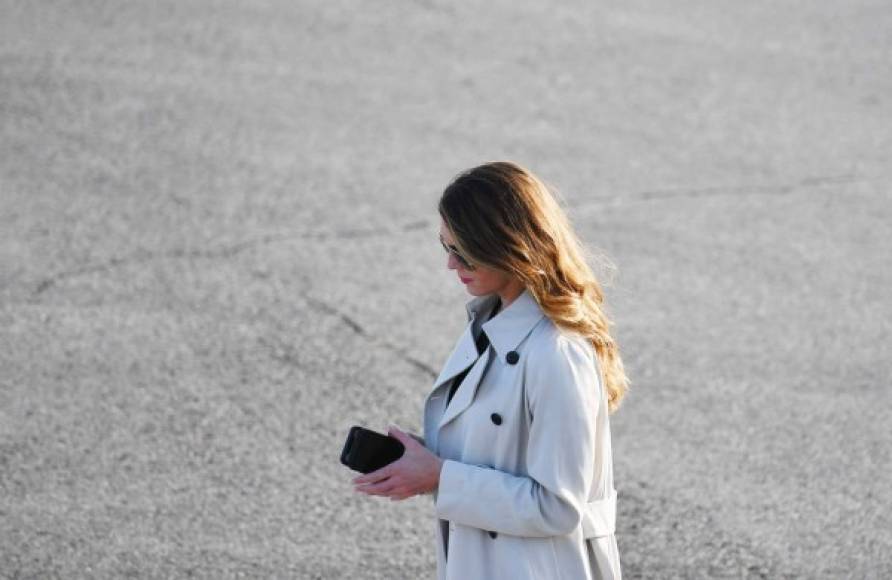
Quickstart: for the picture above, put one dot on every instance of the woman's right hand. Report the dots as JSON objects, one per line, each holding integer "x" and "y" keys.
{"x": 415, "y": 473}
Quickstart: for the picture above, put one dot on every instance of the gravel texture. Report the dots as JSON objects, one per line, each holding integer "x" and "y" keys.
{"x": 218, "y": 251}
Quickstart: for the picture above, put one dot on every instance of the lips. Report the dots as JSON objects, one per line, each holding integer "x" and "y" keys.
{"x": 464, "y": 280}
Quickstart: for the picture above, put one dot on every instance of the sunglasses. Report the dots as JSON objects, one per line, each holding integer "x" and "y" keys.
{"x": 454, "y": 251}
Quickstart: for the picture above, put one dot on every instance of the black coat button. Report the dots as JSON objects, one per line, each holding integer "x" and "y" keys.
{"x": 512, "y": 357}
{"x": 496, "y": 418}
{"x": 493, "y": 535}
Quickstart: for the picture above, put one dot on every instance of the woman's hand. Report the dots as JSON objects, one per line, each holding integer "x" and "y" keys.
{"x": 416, "y": 472}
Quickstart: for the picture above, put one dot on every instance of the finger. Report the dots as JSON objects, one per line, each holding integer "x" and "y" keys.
{"x": 372, "y": 484}
{"x": 384, "y": 488}
{"x": 374, "y": 476}
{"x": 401, "y": 436}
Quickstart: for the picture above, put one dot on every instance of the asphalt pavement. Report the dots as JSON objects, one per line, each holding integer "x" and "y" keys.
{"x": 218, "y": 252}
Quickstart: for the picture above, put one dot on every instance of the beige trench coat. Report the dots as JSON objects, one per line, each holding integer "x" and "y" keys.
{"x": 526, "y": 490}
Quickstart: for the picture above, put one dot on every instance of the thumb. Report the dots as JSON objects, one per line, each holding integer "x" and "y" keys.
{"x": 400, "y": 436}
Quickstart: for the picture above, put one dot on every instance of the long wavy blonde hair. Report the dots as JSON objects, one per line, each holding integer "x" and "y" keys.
{"x": 503, "y": 217}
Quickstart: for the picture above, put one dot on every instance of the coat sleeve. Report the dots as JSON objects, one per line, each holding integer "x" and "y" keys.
{"x": 563, "y": 388}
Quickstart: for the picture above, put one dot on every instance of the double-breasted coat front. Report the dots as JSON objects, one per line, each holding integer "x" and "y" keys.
{"x": 526, "y": 488}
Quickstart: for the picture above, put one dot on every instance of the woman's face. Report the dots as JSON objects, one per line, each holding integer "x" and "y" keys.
{"x": 481, "y": 280}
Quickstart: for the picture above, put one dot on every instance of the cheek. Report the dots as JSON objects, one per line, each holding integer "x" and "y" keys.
{"x": 485, "y": 280}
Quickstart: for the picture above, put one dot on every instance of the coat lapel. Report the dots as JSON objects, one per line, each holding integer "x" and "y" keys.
{"x": 465, "y": 352}
{"x": 464, "y": 396}
{"x": 505, "y": 331}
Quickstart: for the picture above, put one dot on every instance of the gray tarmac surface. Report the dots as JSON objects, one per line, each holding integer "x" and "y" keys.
{"x": 218, "y": 251}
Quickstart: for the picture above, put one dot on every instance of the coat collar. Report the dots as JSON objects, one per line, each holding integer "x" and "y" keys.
{"x": 506, "y": 330}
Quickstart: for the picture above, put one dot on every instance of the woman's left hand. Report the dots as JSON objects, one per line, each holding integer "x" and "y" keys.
{"x": 416, "y": 472}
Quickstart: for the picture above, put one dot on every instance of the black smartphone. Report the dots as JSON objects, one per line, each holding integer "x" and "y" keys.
{"x": 366, "y": 450}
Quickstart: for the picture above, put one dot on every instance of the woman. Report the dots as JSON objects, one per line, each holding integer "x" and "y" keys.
{"x": 516, "y": 448}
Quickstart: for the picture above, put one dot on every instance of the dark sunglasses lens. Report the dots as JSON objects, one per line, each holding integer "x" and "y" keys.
{"x": 459, "y": 257}
{"x": 467, "y": 265}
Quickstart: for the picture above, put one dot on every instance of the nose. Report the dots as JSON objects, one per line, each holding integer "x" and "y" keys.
{"x": 452, "y": 262}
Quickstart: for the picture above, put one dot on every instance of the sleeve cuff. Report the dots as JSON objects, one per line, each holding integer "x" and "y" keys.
{"x": 449, "y": 491}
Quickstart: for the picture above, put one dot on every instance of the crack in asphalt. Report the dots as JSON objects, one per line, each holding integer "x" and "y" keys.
{"x": 781, "y": 189}
{"x": 414, "y": 225}
{"x": 221, "y": 252}
{"x": 357, "y": 328}
{"x": 749, "y": 189}
{"x": 433, "y": 6}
